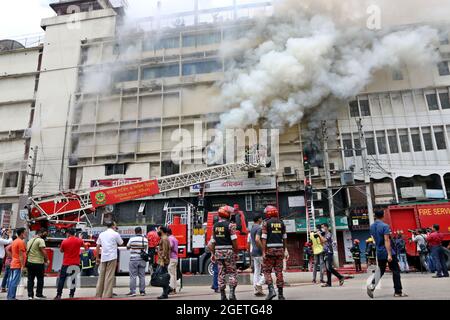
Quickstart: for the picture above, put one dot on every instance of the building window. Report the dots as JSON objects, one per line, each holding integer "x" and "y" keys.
{"x": 440, "y": 138}
{"x": 172, "y": 70}
{"x": 415, "y": 137}
{"x": 354, "y": 109}
{"x": 126, "y": 75}
{"x": 432, "y": 102}
{"x": 443, "y": 38}
{"x": 169, "y": 167}
{"x": 118, "y": 168}
{"x": 404, "y": 141}
{"x": 427, "y": 140}
{"x": 201, "y": 39}
{"x": 393, "y": 144}
{"x": 347, "y": 144}
{"x": 248, "y": 203}
{"x": 381, "y": 142}
{"x": 445, "y": 100}
{"x": 397, "y": 75}
{"x": 370, "y": 143}
{"x": 443, "y": 68}
{"x": 168, "y": 43}
{"x": 11, "y": 179}
{"x": 365, "y": 108}
{"x": 357, "y": 143}
{"x": 201, "y": 67}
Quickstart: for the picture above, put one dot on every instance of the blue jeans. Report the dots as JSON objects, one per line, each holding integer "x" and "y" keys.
{"x": 437, "y": 252}
{"x": 62, "y": 280}
{"x": 13, "y": 283}
{"x": 403, "y": 261}
{"x": 215, "y": 285}
{"x": 6, "y": 276}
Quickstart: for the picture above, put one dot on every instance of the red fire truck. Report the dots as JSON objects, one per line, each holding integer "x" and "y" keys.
{"x": 407, "y": 217}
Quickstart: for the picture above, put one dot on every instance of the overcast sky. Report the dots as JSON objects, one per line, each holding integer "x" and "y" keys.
{"x": 22, "y": 17}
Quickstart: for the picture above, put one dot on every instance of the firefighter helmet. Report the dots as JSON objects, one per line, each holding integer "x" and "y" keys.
{"x": 225, "y": 212}
{"x": 356, "y": 241}
{"x": 271, "y": 212}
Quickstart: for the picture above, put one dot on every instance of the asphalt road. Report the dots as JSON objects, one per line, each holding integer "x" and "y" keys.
{"x": 417, "y": 286}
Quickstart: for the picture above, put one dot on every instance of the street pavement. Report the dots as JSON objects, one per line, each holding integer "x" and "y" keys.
{"x": 416, "y": 285}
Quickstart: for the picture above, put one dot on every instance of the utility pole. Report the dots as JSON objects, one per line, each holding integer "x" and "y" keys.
{"x": 365, "y": 171}
{"x": 33, "y": 173}
{"x": 326, "y": 164}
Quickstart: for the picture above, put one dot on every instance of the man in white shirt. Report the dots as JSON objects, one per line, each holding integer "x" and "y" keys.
{"x": 5, "y": 240}
{"x": 108, "y": 241}
{"x": 137, "y": 245}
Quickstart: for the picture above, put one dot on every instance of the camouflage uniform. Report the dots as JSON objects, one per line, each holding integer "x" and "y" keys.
{"x": 226, "y": 262}
{"x": 273, "y": 259}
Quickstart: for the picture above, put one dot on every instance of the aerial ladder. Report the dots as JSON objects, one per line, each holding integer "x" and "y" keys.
{"x": 68, "y": 208}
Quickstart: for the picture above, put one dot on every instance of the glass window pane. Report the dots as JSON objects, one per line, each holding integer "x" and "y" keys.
{"x": 404, "y": 140}
{"x": 348, "y": 152}
{"x": 208, "y": 38}
{"x": 432, "y": 102}
{"x": 167, "y": 43}
{"x": 357, "y": 147}
{"x": 381, "y": 142}
{"x": 189, "y": 40}
{"x": 444, "y": 69}
{"x": 440, "y": 140}
{"x": 354, "y": 109}
{"x": 201, "y": 67}
{"x": 427, "y": 141}
{"x": 417, "y": 146}
{"x": 126, "y": 75}
{"x": 370, "y": 143}
{"x": 445, "y": 100}
{"x": 393, "y": 144}
{"x": 365, "y": 108}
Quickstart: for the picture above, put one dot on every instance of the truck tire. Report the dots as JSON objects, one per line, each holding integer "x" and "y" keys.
{"x": 208, "y": 269}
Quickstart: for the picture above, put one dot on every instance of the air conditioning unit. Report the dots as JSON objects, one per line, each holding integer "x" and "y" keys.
{"x": 288, "y": 171}
{"x": 317, "y": 196}
{"x": 314, "y": 171}
{"x": 347, "y": 178}
{"x": 318, "y": 212}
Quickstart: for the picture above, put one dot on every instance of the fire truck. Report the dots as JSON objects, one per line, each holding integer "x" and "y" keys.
{"x": 413, "y": 216}
{"x": 69, "y": 209}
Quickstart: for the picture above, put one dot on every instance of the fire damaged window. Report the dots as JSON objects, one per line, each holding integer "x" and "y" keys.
{"x": 432, "y": 102}
{"x": 117, "y": 168}
{"x": 443, "y": 68}
{"x": 354, "y": 109}
{"x": 126, "y": 75}
{"x": 397, "y": 75}
{"x": 365, "y": 108}
{"x": 201, "y": 67}
{"x": 193, "y": 40}
{"x": 172, "y": 70}
{"x": 359, "y": 108}
{"x": 167, "y": 43}
{"x": 168, "y": 168}
{"x": 11, "y": 179}
{"x": 440, "y": 138}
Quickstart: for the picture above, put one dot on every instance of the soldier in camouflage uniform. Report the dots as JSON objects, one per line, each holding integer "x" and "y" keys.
{"x": 223, "y": 246}
{"x": 274, "y": 243}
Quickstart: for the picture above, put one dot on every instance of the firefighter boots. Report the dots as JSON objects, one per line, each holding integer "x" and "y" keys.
{"x": 271, "y": 293}
{"x": 223, "y": 294}
{"x": 232, "y": 293}
{"x": 280, "y": 294}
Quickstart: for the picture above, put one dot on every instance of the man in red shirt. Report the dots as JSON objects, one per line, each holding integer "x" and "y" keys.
{"x": 434, "y": 240}
{"x": 71, "y": 261}
{"x": 153, "y": 241}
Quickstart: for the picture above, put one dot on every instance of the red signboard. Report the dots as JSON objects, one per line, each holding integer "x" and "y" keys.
{"x": 113, "y": 182}
{"x": 124, "y": 193}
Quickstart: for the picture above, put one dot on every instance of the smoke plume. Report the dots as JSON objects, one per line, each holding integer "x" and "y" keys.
{"x": 307, "y": 59}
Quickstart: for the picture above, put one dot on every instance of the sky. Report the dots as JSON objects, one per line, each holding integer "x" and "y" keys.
{"x": 22, "y": 18}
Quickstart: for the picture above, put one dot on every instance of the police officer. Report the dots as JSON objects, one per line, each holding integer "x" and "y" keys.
{"x": 274, "y": 243}
{"x": 223, "y": 246}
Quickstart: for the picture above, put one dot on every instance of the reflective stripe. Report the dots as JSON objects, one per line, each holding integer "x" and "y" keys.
{"x": 233, "y": 237}
{"x": 285, "y": 236}
{"x": 274, "y": 245}
{"x": 264, "y": 236}
{"x": 224, "y": 247}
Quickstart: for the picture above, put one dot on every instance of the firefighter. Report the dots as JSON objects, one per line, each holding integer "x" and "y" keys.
{"x": 370, "y": 252}
{"x": 274, "y": 244}
{"x": 356, "y": 255}
{"x": 223, "y": 246}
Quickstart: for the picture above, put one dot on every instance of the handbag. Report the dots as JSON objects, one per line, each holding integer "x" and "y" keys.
{"x": 144, "y": 255}
{"x": 160, "y": 278}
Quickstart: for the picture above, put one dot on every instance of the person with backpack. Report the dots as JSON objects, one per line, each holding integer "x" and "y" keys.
{"x": 401, "y": 253}
{"x": 419, "y": 237}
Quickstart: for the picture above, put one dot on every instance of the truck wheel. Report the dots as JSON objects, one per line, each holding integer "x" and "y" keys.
{"x": 209, "y": 267}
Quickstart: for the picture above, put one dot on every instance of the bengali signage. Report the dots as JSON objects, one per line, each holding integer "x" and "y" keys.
{"x": 5, "y": 218}
{"x": 290, "y": 225}
{"x": 341, "y": 223}
{"x": 124, "y": 193}
{"x": 224, "y": 185}
{"x": 359, "y": 219}
{"x": 113, "y": 182}
{"x": 295, "y": 202}
{"x": 124, "y": 231}
{"x": 412, "y": 192}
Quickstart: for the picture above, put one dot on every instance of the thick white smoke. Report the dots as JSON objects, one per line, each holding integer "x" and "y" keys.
{"x": 296, "y": 62}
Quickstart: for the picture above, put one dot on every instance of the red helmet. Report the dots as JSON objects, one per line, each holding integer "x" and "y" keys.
{"x": 307, "y": 244}
{"x": 225, "y": 212}
{"x": 356, "y": 241}
{"x": 271, "y": 212}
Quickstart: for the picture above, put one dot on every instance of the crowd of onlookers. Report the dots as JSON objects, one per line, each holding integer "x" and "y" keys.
{"x": 30, "y": 259}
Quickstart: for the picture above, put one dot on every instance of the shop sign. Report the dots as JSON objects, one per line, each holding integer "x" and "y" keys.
{"x": 224, "y": 185}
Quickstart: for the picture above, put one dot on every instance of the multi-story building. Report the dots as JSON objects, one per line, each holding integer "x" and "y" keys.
{"x": 109, "y": 102}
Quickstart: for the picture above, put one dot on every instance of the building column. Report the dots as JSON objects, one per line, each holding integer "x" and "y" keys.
{"x": 394, "y": 184}
{"x": 443, "y": 186}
